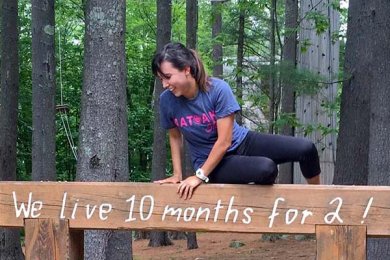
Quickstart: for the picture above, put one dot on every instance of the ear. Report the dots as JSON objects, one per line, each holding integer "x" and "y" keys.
{"x": 187, "y": 70}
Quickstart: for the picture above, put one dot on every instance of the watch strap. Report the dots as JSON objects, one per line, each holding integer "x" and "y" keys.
{"x": 200, "y": 174}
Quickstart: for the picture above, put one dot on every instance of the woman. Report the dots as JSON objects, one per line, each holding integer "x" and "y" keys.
{"x": 202, "y": 110}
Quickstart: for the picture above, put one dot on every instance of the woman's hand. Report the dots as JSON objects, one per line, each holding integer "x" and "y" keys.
{"x": 187, "y": 187}
{"x": 172, "y": 179}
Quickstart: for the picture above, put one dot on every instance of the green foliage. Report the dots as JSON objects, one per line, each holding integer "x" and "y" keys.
{"x": 286, "y": 119}
{"x": 304, "y": 45}
{"x": 140, "y": 46}
{"x": 24, "y": 140}
{"x": 69, "y": 64}
{"x": 305, "y": 82}
{"x": 178, "y": 21}
{"x": 321, "y": 21}
{"x": 336, "y": 5}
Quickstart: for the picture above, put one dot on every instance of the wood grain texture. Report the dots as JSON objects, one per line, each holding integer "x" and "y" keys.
{"x": 214, "y": 207}
{"x": 341, "y": 242}
{"x": 52, "y": 239}
{"x": 40, "y": 239}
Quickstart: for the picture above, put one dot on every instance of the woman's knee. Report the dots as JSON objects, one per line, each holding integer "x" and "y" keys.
{"x": 269, "y": 172}
{"x": 308, "y": 149}
{"x": 309, "y": 160}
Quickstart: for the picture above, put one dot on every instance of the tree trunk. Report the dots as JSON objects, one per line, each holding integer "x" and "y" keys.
{"x": 191, "y": 36}
{"x": 322, "y": 58}
{"x": 289, "y": 58}
{"x": 272, "y": 84}
{"x": 103, "y": 152}
{"x": 141, "y": 234}
{"x": 10, "y": 247}
{"x": 192, "y": 242}
{"x": 159, "y": 160}
{"x": 44, "y": 89}
{"x": 177, "y": 235}
{"x": 353, "y": 142}
{"x": 163, "y": 37}
{"x": 216, "y": 7}
{"x": 363, "y": 146}
{"x": 159, "y": 238}
{"x": 379, "y": 132}
{"x": 191, "y": 23}
{"x": 240, "y": 59}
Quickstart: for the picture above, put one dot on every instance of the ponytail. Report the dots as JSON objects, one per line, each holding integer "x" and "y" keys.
{"x": 200, "y": 74}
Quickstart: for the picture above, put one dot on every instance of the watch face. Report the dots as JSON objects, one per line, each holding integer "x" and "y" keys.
{"x": 199, "y": 173}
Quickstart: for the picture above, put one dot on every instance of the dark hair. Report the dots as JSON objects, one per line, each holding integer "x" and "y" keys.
{"x": 181, "y": 57}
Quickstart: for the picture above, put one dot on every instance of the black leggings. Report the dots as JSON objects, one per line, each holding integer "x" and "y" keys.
{"x": 256, "y": 159}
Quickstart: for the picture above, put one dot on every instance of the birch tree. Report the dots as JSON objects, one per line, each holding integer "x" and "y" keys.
{"x": 319, "y": 52}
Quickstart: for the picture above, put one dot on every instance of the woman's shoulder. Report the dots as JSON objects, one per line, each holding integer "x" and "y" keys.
{"x": 166, "y": 94}
{"x": 167, "y": 99}
{"x": 217, "y": 84}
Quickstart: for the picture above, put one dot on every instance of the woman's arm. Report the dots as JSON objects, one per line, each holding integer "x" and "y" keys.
{"x": 176, "y": 144}
{"x": 224, "y": 141}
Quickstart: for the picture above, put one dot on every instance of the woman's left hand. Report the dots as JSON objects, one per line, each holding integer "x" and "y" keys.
{"x": 187, "y": 187}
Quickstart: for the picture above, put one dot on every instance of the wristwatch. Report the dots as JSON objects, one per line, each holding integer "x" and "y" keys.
{"x": 200, "y": 174}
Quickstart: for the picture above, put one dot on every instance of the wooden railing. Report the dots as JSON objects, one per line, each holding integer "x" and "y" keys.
{"x": 54, "y": 215}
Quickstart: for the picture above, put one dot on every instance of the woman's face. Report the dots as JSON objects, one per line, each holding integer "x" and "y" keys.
{"x": 179, "y": 82}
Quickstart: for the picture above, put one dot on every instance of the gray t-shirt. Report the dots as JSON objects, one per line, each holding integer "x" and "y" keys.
{"x": 197, "y": 118}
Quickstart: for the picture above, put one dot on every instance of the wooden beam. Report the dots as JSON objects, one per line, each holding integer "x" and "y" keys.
{"x": 214, "y": 207}
{"x": 341, "y": 242}
{"x": 52, "y": 239}
{"x": 76, "y": 244}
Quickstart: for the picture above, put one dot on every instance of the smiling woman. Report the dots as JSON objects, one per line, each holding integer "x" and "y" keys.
{"x": 201, "y": 109}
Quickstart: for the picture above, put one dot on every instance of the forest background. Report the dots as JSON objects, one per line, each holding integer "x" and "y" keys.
{"x": 288, "y": 64}
{"x": 140, "y": 47}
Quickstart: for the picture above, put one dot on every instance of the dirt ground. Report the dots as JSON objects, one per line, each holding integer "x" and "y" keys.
{"x": 220, "y": 246}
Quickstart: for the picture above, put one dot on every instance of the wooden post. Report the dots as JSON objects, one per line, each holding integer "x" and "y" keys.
{"x": 52, "y": 239}
{"x": 341, "y": 242}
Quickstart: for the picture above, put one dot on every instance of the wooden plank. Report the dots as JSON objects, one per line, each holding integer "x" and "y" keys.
{"x": 69, "y": 243}
{"x": 341, "y": 242}
{"x": 36, "y": 244}
{"x": 52, "y": 239}
{"x": 214, "y": 207}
